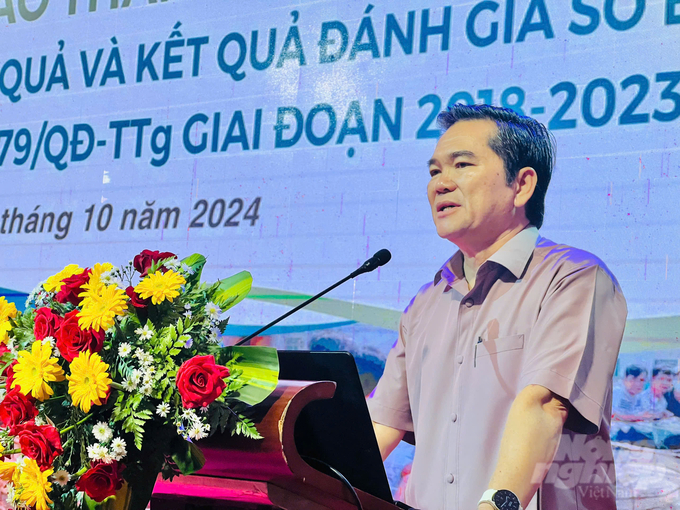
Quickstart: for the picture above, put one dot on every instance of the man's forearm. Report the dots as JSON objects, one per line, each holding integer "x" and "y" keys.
{"x": 388, "y": 438}
{"x": 529, "y": 443}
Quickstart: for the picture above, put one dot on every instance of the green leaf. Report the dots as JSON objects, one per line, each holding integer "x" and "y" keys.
{"x": 196, "y": 263}
{"x": 188, "y": 457}
{"x": 259, "y": 368}
{"x": 232, "y": 290}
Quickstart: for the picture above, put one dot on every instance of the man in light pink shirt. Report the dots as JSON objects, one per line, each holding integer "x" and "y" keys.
{"x": 503, "y": 367}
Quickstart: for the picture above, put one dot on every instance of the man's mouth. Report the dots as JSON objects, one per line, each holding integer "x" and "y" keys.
{"x": 446, "y": 206}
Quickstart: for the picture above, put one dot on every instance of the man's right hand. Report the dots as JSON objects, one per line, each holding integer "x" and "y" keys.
{"x": 388, "y": 438}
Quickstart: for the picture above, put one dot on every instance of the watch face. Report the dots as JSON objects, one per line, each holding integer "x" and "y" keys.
{"x": 506, "y": 500}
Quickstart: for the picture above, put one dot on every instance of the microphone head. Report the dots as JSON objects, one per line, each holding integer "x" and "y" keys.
{"x": 382, "y": 257}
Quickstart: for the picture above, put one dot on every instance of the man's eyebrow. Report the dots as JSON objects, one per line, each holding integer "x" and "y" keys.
{"x": 453, "y": 156}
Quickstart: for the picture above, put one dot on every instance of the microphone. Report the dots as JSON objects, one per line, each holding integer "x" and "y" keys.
{"x": 380, "y": 258}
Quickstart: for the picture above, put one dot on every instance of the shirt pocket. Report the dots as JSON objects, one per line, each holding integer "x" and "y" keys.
{"x": 506, "y": 343}
{"x": 498, "y": 362}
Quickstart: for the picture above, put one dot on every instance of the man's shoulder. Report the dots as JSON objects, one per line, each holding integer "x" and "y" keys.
{"x": 566, "y": 259}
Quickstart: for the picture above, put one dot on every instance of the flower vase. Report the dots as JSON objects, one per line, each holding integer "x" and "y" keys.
{"x": 121, "y": 501}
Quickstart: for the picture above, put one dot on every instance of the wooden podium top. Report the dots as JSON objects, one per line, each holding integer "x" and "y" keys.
{"x": 267, "y": 473}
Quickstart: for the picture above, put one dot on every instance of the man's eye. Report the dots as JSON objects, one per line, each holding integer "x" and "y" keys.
{"x": 462, "y": 164}
{"x": 434, "y": 171}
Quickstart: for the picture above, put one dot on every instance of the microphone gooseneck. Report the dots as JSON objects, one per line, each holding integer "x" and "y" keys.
{"x": 380, "y": 258}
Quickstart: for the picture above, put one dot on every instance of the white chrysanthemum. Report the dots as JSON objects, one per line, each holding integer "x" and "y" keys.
{"x": 11, "y": 493}
{"x": 190, "y": 415}
{"x": 98, "y": 452}
{"x": 187, "y": 269}
{"x": 49, "y": 340}
{"x": 172, "y": 264}
{"x": 213, "y": 311}
{"x": 129, "y": 385}
{"x": 144, "y": 357}
{"x": 111, "y": 278}
{"x": 118, "y": 446}
{"x": 56, "y": 353}
{"x": 146, "y": 390}
{"x": 102, "y": 432}
{"x": 136, "y": 376}
{"x": 124, "y": 350}
{"x": 62, "y": 477}
{"x": 188, "y": 314}
{"x": 163, "y": 409}
{"x": 144, "y": 333}
{"x": 197, "y": 432}
{"x": 39, "y": 420}
{"x": 214, "y": 337}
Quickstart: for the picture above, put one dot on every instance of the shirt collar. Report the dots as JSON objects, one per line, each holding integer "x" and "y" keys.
{"x": 513, "y": 255}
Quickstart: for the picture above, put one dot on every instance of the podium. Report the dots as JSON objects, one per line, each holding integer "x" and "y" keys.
{"x": 318, "y": 452}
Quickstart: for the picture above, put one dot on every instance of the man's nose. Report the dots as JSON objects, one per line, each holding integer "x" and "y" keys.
{"x": 444, "y": 183}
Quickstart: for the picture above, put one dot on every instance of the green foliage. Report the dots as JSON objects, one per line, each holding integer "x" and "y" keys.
{"x": 233, "y": 290}
{"x": 187, "y": 456}
{"x": 134, "y": 413}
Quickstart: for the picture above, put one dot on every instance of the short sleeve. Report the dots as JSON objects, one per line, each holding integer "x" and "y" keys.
{"x": 575, "y": 343}
{"x": 389, "y": 403}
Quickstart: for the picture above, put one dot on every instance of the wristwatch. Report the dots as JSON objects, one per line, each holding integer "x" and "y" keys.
{"x": 501, "y": 500}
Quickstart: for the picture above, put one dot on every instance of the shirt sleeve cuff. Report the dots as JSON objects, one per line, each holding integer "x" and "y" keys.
{"x": 589, "y": 411}
{"x": 400, "y": 420}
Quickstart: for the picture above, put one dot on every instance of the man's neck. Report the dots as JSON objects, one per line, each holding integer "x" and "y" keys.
{"x": 475, "y": 256}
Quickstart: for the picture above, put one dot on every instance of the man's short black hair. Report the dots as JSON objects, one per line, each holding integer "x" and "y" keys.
{"x": 635, "y": 371}
{"x": 663, "y": 371}
{"x": 520, "y": 142}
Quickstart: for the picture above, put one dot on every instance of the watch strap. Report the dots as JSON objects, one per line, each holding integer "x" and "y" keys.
{"x": 487, "y": 497}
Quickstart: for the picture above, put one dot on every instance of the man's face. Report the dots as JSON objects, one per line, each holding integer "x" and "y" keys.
{"x": 470, "y": 200}
{"x": 635, "y": 385}
{"x": 662, "y": 383}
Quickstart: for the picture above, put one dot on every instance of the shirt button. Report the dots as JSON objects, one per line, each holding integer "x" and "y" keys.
{"x": 459, "y": 359}
{"x": 454, "y": 417}
{"x": 449, "y": 478}
{"x": 468, "y": 303}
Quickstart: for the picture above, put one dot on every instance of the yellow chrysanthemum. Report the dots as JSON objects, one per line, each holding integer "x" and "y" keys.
{"x": 35, "y": 485}
{"x": 5, "y": 327}
{"x": 94, "y": 285}
{"x": 89, "y": 380}
{"x": 98, "y": 310}
{"x": 7, "y": 310}
{"x": 54, "y": 282}
{"x": 160, "y": 286}
{"x": 35, "y": 369}
{"x": 7, "y": 470}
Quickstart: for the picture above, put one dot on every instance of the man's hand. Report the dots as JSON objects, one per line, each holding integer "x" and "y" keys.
{"x": 388, "y": 438}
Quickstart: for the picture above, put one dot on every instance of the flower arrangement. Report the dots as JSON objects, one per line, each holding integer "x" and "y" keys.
{"x": 112, "y": 374}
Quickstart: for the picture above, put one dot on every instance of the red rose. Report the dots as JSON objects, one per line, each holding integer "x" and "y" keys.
{"x": 16, "y": 408}
{"x": 10, "y": 375}
{"x": 143, "y": 261}
{"x": 46, "y": 323}
{"x": 200, "y": 381}
{"x": 101, "y": 480}
{"x": 71, "y": 340}
{"x": 135, "y": 299}
{"x": 39, "y": 442}
{"x": 72, "y": 286}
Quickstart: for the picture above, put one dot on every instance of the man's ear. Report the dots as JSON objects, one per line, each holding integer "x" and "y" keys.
{"x": 525, "y": 185}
